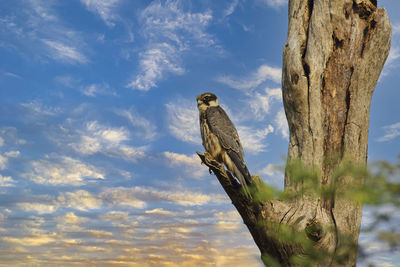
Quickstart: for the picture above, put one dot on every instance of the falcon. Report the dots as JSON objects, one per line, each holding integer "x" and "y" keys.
{"x": 220, "y": 138}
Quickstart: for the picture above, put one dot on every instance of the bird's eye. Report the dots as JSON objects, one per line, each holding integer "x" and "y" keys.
{"x": 207, "y": 98}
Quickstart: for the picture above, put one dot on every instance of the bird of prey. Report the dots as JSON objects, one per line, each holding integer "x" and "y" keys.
{"x": 221, "y": 139}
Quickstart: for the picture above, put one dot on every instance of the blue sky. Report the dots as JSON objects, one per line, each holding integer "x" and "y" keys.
{"x": 99, "y": 126}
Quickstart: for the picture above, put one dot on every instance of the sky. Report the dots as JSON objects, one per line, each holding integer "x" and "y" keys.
{"x": 99, "y": 128}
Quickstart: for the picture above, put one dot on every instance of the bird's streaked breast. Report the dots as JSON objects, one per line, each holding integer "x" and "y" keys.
{"x": 210, "y": 140}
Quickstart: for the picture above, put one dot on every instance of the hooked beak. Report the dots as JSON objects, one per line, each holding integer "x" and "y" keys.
{"x": 199, "y": 102}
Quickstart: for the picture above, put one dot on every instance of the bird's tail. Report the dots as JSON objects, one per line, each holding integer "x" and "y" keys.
{"x": 239, "y": 170}
{"x": 243, "y": 181}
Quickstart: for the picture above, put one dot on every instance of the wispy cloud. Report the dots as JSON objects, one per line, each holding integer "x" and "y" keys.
{"x": 71, "y": 218}
{"x": 121, "y": 196}
{"x": 169, "y": 31}
{"x": 160, "y": 211}
{"x": 4, "y": 157}
{"x": 231, "y": 8}
{"x": 254, "y": 140}
{"x": 40, "y": 208}
{"x": 36, "y": 31}
{"x": 110, "y": 141}
{"x": 260, "y": 103}
{"x": 274, "y": 3}
{"x": 190, "y": 164}
{"x": 232, "y": 215}
{"x": 62, "y": 170}
{"x": 228, "y": 225}
{"x": 274, "y": 173}
{"x": 64, "y": 53}
{"x": 252, "y": 80}
{"x": 282, "y": 124}
{"x": 394, "y": 53}
{"x": 142, "y": 195}
{"x": 104, "y": 8}
{"x": 38, "y": 239}
{"x": 156, "y": 62}
{"x": 6, "y": 181}
{"x": 91, "y": 90}
{"x": 391, "y": 61}
{"x": 392, "y": 131}
{"x": 79, "y": 200}
{"x": 183, "y": 120}
{"x": 116, "y": 217}
{"x": 10, "y": 74}
{"x": 143, "y": 127}
{"x": 36, "y": 108}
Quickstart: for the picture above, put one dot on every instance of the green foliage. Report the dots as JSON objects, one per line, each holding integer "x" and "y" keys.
{"x": 377, "y": 186}
{"x": 269, "y": 261}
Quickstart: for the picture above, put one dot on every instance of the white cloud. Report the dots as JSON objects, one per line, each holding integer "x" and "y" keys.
{"x": 1, "y": 142}
{"x": 38, "y": 109}
{"x": 95, "y": 89}
{"x": 178, "y": 159}
{"x": 54, "y": 170}
{"x": 160, "y": 211}
{"x": 232, "y": 215}
{"x": 260, "y": 104}
{"x": 138, "y": 196}
{"x": 392, "y": 131}
{"x": 394, "y": 54}
{"x": 274, "y": 3}
{"x": 6, "y": 181}
{"x": 65, "y": 53}
{"x": 183, "y": 120}
{"x": 228, "y": 225}
{"x": 122, "y": 197}
{"x": 9, "y": 135}
{"x": 231, "y": 8}
{"x": 67, "y": 81}
{"x": 10, "y": 74}
{"x": 3, "y": 162}
{"x": 97, "y": 138}
{"x": 282, "y": 124}
{"x": 155, "y": 62}
{"x": 4, "y": 158}
{"x": 253, "y": 140}
{"x": 40, "y": 208}
{"x": 43, "y": 10}
{"x": 99, "y": 233}
{"x": 34, "y": 30}
{"x": 252, "y": 80}
{"x": 169, "y": 31}
{"x": 12, "y": 154}
{"x": 143, "y": 127}
{"x": 38, "y": 239}
{"x": 91, "y": 90}
{"x": 191, "y": 164}
{"x": 116, "y": 217}
{"x": 269, "y": 170}
{"x": 104, "y": 8}
{"x": 79, "y": 200}
{"x": 396, "y": 29}
{"x": 70, "y": 218}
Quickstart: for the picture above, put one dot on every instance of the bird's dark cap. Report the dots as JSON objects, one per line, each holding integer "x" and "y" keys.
{"x": 211, "y": 95}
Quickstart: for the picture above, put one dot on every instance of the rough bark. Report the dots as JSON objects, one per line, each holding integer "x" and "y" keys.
{"x": 332, "y": 60}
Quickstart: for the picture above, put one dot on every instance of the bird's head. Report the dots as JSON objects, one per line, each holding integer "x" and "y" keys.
{"x": 206, "y": 100}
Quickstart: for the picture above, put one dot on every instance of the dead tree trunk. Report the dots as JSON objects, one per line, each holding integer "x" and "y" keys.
{"x": 332, "y": 60}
